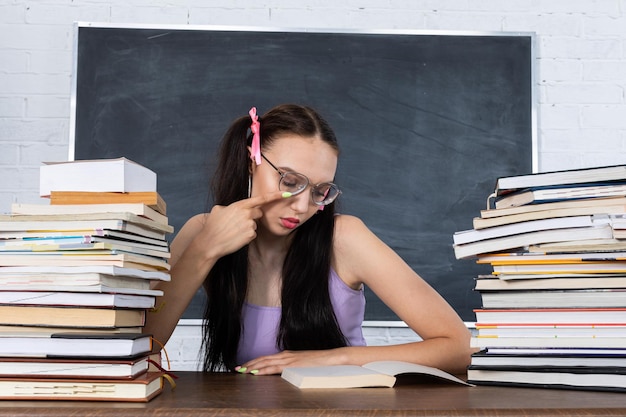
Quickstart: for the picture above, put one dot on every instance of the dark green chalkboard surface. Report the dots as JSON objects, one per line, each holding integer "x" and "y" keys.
{"x": 426, "y": 122}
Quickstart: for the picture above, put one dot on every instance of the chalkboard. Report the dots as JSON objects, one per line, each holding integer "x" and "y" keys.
{"x": 426, "y": 122}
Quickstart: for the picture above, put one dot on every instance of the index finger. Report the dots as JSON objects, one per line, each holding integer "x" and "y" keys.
{"x": 259, "y": 200}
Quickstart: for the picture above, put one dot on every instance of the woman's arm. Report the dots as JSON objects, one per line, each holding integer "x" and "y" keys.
{"x": 362, "y": 258}
{"x": 189, "y": 266}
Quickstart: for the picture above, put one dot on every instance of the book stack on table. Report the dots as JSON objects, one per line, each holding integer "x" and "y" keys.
{"x": 75, "y": 285}
{"x": 553, "y": 309}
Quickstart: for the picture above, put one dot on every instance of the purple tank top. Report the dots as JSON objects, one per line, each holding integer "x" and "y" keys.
{"x": 260, "y": 324}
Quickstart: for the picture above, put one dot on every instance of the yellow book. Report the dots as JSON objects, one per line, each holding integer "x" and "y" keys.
{"x": 150, "y": 198}
{"x": 70, "y": 316}
{"x": 526, "y": 258}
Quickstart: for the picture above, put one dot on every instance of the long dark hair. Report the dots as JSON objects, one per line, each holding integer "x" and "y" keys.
{"x": 307, "y": 320}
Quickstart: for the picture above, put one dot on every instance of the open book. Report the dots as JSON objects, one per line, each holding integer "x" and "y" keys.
{"x": 373, "y": 374}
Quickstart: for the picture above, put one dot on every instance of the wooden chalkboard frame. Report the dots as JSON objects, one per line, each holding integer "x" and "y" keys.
{"x": 423, "y": 138}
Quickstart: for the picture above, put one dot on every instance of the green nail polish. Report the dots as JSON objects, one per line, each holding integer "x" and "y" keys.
{"x": 254, "y": 371}
{"x": 242, "y": 370}
{"x": 286, "y": 194}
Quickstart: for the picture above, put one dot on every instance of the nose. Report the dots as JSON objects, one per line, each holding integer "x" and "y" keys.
{"x": 300, "y": 203}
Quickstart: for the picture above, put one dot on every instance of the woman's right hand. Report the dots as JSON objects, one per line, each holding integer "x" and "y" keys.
{"x": 224, "y": 230}
{"x": 198, "y": 245}
{"x": 229, "y": 228}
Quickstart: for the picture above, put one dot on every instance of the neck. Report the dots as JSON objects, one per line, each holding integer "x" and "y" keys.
{"x": 269, "y": 248}
{"x": 265, "y": 267}
{"x": 266, "y": 256}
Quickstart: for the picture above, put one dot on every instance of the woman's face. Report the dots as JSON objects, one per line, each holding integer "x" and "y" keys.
{"x": 309, "y": 156}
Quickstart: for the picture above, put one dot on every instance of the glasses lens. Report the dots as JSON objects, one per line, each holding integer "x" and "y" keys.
{"x": 324, "y": 194}
{"x": 293, "y": 182}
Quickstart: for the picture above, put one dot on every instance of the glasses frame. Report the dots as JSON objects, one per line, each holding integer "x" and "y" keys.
{"x": 308, "y": 182}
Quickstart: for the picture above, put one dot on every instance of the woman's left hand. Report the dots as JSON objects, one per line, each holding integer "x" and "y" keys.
{"x": 274, "y": 364}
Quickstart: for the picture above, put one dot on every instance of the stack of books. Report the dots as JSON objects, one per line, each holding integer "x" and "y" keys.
{"x": 75, "y": 285}
{"x": 553, "y": 308}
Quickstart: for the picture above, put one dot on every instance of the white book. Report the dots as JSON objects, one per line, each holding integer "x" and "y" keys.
{"x": 98, "y": 175}
{"x": 82, "y": 234}
{"x": 71, "y": 272}
{"x": 474, "y": 235}
{"x": 76, "y": 299}
{"x": 572, "y": 378}
{"x": 83, "y": 288}
{"x": 69, "y": 241}
{"x": 588, "y": 298}
{"x": 551, "y": 316}
{"x": 590, "y": 330}
{"x": 558, "y": 205}
{"x": 532, "y": 238}
{"x": 548, "y": 194}
{"x": 85, "y": 344}
{"x": 84, "y": 247}
{"x": 80, "y": 281}
{"x": 571, "y": 176}
{"x": 134, "y": 208}
{"x": 13, "y": 227}
{"x": 73, "y": 368}
{"x": 548, "y": 342}
{"x": 110, "y": 258}
{"x": 583, "y": 267}
{"x": 92, "y": 220}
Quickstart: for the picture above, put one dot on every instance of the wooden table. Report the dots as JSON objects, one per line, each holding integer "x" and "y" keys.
{"x": 238, "y": 395}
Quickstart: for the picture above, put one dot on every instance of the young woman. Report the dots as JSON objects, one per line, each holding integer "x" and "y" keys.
{"x": 283, "y": 273}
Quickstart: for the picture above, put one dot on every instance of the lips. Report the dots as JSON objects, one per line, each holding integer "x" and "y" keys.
{"x": 289, "y": 222}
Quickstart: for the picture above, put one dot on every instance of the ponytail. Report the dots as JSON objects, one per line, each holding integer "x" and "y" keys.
{"x": 230, "y": 182}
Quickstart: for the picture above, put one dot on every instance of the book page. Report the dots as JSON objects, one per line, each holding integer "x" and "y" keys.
{"x": 399, "y": 367}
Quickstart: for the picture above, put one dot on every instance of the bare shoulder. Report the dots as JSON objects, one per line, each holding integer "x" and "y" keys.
{"x": 346, "y": 224}
{"x": 355, "y": 247}
{"x": 193, "y": 225}
{"x": 185, "y": 235}
{"x": 196, "y": 221}
{"x": 351, "y": 232}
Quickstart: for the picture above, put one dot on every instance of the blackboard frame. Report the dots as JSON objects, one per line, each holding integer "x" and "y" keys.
{"x": 513, "y": 165}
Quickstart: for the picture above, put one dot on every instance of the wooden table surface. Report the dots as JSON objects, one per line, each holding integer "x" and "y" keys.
{"x": 200, "y": 394}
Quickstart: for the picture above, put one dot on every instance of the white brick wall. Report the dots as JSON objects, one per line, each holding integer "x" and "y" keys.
{"x": 580, "y": 75}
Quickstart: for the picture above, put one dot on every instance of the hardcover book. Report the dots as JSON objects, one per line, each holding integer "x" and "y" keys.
{"x": 558, "y": 193}
{"x": 576, "y": 377}
{"x": 75, "y": 345}
{"x": 73, "y": 368}
{"x": 140, "y": 389}
{"x": 150, "y": 198}
{"x": 571, "y": 176}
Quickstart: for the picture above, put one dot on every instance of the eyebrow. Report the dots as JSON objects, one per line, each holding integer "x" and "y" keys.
{"x": 289, "y": 169}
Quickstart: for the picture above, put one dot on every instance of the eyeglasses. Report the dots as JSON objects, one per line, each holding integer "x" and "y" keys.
{"x": 321, "y": 194}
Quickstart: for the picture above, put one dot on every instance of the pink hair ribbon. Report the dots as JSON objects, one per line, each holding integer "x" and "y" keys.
{"x": 255, "y": 127}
